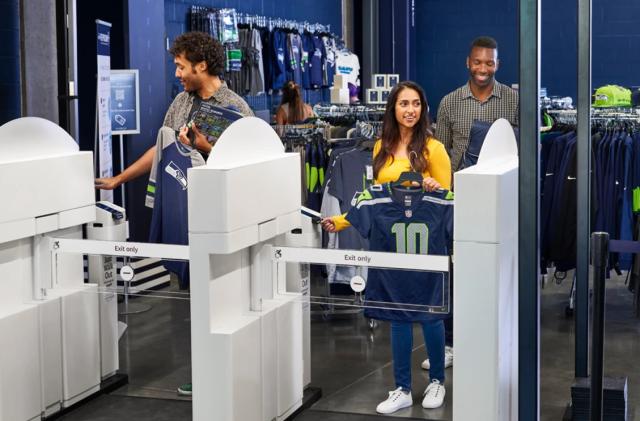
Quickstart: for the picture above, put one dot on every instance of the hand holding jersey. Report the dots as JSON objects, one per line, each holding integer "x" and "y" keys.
{"x": 430, "y": 184}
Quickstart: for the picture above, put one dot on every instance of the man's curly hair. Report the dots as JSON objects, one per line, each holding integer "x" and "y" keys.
{"x": 199, "y": 46}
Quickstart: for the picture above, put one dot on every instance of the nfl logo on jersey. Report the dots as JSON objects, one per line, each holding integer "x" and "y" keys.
{"x": 408, "y": 213}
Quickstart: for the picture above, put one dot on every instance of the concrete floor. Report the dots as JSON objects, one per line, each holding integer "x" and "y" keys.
{"x": 351, "y": 363}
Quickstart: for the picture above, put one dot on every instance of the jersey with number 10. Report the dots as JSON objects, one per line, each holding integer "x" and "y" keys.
{"x": 402, "y": 221}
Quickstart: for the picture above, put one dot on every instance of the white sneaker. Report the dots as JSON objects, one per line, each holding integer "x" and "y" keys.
{"x": 397, "y": 399}
{"x": 448, "y": 359}
{"x": 434, "y": 395}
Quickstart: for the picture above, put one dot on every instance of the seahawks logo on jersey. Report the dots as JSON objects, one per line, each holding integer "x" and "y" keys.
{"x": 360, "y": 196}
{"x": 175, "y": 171}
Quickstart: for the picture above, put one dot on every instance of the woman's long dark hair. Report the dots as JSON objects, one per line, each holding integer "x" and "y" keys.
{"x": 291, "y": 95}
{"x": 417, "y": 148}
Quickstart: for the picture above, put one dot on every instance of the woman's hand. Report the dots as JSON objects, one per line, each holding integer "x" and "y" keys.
{"x": 328, "y": 225}
{"x": 430, "y": 184}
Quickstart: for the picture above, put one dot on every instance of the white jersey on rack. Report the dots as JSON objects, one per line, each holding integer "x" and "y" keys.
{"x": 348, "y": 65}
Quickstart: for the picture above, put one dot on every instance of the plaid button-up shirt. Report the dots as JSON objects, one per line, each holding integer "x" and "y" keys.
{"x": 459, "y": 109}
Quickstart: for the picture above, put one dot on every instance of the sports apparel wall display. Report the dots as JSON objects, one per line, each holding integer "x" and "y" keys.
{"x": 615, "y": 187}
{"x": 264, "y": 53}
{"x": 401, "y": 220}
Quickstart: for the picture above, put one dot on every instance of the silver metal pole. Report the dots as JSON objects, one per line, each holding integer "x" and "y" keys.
{"x": 600, "y": 248}
{"x": 529, "y": 214}
{"x": 122, "y": 168}
{"x": 583, "y": 228}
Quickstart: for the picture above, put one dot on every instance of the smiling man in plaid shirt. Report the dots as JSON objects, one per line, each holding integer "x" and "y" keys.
{"x": 481, "y": 98}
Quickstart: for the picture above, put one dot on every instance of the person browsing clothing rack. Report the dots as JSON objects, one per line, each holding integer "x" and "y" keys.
{"x": 292, "y": 109}
{"x": 407, "y": 144}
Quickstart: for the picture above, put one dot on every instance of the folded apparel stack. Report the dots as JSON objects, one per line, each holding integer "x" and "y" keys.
{"x": 614, "y": 399}
{"x": 339, "y": 91}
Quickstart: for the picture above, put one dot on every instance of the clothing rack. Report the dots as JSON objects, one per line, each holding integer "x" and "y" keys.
{"x": 335, "y": 110}
{"x": 556, "y": 103}
{"x": 271, "y": 23}
{"x": 369, "y": 129}
{"x": 621, "y": 120}
{"x": 287, "y": 130}
{"x": 341, "y": 115}
{"x": 597, "y": 114}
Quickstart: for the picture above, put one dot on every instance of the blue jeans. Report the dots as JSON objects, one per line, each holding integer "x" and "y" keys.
{"x": 402, "y": 345}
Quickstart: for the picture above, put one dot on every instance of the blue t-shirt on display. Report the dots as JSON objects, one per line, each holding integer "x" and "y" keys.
{"x": 278, "y": 70}
{"x": 307, "y": 52}
{"x": 316, "y": 60}
{"x": 405, "y": 221}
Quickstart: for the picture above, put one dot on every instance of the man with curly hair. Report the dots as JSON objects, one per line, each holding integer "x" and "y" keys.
{"x": 200, "y": 61}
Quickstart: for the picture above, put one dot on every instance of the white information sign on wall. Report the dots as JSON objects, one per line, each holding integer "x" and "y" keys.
{"x": 103, "y": 100}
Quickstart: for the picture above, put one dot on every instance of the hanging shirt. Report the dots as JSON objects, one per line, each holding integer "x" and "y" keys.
{"x": 278, "y": 70}
{"x": 348, "y": 65}
{"x": 316, "y": 62}
{"x": 331, "y": 206}
{"x": 314, "y": 164}
{"x": 267, "y": 63}
{"x": 228, "y": 26}
{"x": 351, "y": 175}
{"x": 330, "y": 61}
{"x": 293, "y": 58}
{"x": 252, "y": 65}
{"x": 404, "y": 221}
{"x": 307, "y": 52}
{"x": 635, "y": 172}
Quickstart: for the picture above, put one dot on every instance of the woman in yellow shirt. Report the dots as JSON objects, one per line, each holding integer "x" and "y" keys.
{"x": 407, "y": 144}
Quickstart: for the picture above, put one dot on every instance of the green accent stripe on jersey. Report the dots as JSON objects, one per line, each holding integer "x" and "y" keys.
{"x": 151, "y": 189}
{"x": 313, "y": 180}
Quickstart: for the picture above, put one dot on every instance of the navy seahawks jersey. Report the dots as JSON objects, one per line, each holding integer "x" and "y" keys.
{"x": 167, "y": 194}
{"x": 404, "y": 221}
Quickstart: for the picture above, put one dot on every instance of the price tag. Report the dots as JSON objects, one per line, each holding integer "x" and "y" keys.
{"x": 369, "y": 170}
